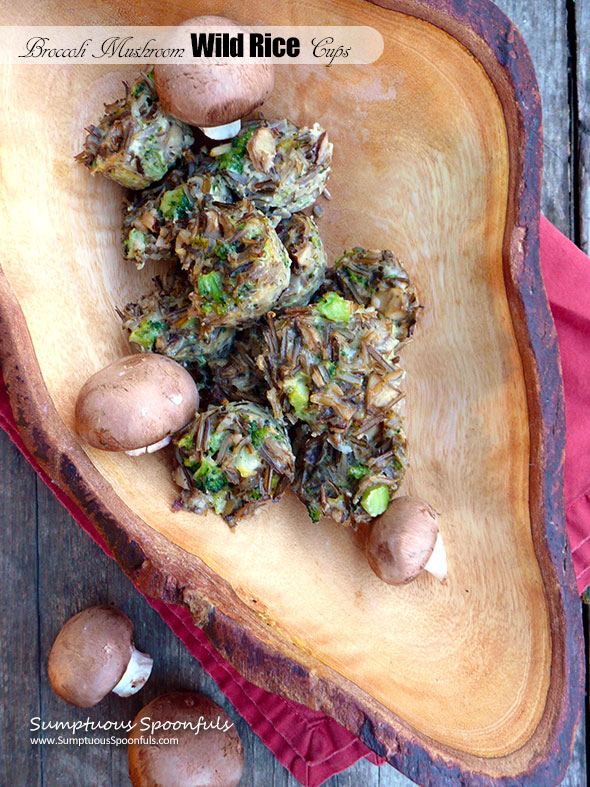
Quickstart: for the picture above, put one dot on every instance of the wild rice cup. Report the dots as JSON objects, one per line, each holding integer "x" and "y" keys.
{"x": 378, "y": 279}
{"x": 136, "y": 142}
{"x": 280, "y": 168}
{"x": 163, "y": 322}
{"x": 153, "y": 217}
{"x": 236, "y": 263}
{"x": 232, "y": 459}
{"x": 332, "y": 365}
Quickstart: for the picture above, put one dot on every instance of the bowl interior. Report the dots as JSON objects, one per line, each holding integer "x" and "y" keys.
{"x": 420, "y": 167}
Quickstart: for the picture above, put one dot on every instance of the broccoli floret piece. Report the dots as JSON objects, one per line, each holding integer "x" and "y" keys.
{"x": 208, "y": 477}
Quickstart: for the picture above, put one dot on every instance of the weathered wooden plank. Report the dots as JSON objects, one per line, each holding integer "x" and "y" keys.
{"x": 543, "y": 24}
{"x": 71, "y": 577}
{"x": 20, "y": 762}
{"x": 577, "y": 773}
{"x": 582, "y": 56}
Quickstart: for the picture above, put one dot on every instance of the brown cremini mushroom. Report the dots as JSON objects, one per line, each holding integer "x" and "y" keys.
{"x": 404, "y": 541}
{"x": 213, "y": 95}
{"x": 93, "y": 654}
{"x": 136, "y": 404}
{"x": 209, "y": 752}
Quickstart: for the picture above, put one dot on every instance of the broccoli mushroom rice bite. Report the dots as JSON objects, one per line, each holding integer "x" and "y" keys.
{"x": 354, "y": 482}
{"x": 153, "y": 217}
{"x": 279, "y": 167}
{"x": 236, "y": 263}
{"x": 136, "y": 142}
{"x": 232, "y": 459}
{"x": 378, "y": 279}
{"x": 163, "y": 322}
{"x": 301, "y": 238}
{"x": 332, "y": 365}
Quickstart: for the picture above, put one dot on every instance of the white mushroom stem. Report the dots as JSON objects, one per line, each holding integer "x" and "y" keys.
{"x": 149, "y": 449}
{"x": 137, "y": 672}
{"x": 226, "y": 131}
{"x": 437, "y": 562}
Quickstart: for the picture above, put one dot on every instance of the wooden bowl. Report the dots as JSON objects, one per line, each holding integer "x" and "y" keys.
{"x": 438, "y": 152}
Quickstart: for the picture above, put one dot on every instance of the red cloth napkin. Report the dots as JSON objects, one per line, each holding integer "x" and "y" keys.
{"x": 313, "y": 746}
{"x": 566, "y": 273}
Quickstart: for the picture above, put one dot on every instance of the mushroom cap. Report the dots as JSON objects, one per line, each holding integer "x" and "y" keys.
{"x": 209, "y": 94}
{"x": 135, "y": 402}
{"x": 210, "y": 758}
{"x": 90, "y": 655}
{"x": 400, "y": 541}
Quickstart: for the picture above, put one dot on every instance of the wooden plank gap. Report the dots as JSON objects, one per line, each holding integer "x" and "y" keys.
{"x": 582, "y": 20}
{"x": 573, "y": 100}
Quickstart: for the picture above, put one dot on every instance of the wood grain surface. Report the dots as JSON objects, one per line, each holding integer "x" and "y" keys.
{"x": 48, "y": 553}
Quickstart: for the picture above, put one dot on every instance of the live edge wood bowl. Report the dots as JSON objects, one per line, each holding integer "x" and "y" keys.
{"x": 438, "y": 151}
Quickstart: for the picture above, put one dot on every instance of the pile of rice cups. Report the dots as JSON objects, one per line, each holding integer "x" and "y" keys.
{"x": 297, "y": 361}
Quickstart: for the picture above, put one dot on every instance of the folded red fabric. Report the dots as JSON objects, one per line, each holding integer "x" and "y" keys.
{"x": 311, "y": 745}
{"x": 566, "y": 273}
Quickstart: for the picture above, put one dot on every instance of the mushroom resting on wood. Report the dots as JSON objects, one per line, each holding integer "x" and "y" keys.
{"x": 136, "y": 404}
{"x": 213, "y": 95}
{"x": 209, "y": 752}
{"x": 404, "y": 541}
{"x": 93, "y": 654}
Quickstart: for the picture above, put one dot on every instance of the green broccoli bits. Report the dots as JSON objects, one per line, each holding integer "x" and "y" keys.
{"x": 375, "y": 500}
